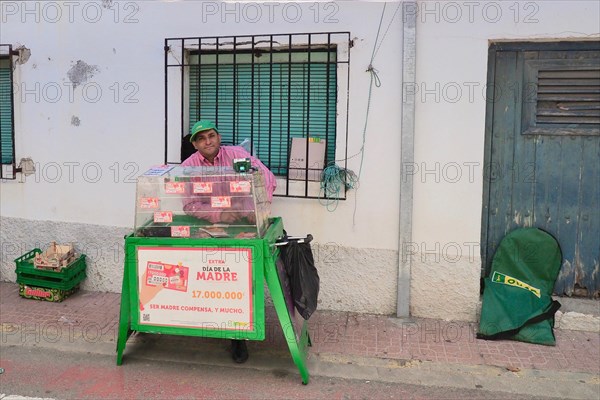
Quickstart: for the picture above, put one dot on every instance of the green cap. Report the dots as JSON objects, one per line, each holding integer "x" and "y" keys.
{"x": 202, "y": 125}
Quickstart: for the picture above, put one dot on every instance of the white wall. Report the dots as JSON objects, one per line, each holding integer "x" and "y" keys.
{"x": 357, "y": 255}
{"x": 452, "y": 51}
{"x": 119, "y": 132}
{"x": 117, "y": 138}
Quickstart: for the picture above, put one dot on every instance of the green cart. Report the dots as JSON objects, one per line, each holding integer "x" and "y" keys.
{"x": 208, "y": 287}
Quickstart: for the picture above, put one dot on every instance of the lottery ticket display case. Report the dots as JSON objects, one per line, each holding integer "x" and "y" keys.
{"x": 201, "y": 202}
{"x": 202, "y": 248}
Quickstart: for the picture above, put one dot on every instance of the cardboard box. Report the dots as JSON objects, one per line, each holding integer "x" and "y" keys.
{"x": 316, "y": 159}
{"x": 55, "y": 257}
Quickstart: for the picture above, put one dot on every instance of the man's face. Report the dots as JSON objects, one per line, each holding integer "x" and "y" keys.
{"x": 207, "y": 143}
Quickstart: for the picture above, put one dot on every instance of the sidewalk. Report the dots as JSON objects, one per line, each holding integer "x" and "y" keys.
{"x": 339, "y": 339}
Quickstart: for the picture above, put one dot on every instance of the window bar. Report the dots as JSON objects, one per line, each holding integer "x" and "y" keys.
{"x": 1, "y": 164}
{"x": 276, "y": 160}
{"x": 182, "y": 113}
{"x": 252, "y": 94}
{"x": 234, "y": 103}
{"x": 347, "y": 108}
{"x": 1, "y": 115}
{"x": 307, "y": 116}
{"x": 10, "y": 116}
{"x": 12, "y": 106}
{"x": 198, "y": 79}
{"x": 270, "y": 95}
{"x": 166, "y": 50}
{"x": 281, "y": 160}
{"x": 217, "y": 82}
{"x": 327, "y": 74}
{"x": 289, "y": 111}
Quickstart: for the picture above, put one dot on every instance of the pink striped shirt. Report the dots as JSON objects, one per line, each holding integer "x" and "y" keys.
{"x": 225, "y": 158}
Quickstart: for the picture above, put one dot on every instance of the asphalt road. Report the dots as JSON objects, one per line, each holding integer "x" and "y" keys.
{"x": 58, "y": 374}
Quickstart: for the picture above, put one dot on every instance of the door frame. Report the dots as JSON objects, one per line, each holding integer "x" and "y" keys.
{"x": 494, "y": 48}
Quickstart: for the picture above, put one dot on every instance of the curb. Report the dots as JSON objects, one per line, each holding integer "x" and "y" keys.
{"x": 214, "y": 352}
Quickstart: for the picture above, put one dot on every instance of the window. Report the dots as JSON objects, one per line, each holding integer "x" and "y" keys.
{"x": 7, "y": 133}
{"x": 562, "y": 96}
{"x": 265, "y": 90}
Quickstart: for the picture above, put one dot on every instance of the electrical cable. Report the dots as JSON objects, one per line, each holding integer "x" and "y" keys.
{"x": 334, "y": 180}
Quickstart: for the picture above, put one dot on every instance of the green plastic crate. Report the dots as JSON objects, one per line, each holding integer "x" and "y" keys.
{"x": 51, "y": 283}
{"x": 46, "y": 294}
{"x": 65, "y": 279}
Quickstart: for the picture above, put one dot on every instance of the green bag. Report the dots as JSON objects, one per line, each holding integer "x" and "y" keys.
{"x": 517, "y": 295}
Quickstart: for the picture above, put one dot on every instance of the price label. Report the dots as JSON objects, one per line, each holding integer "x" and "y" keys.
{"x": 149, "y": 202}
{"x": 163, "y": 216}
{"x": 174, "y": 187}
{"x": 240, "y": 187}
{"x": 202, "y": 187}
{"x": 180, "y": 231}
{"x": 220, "y": 201}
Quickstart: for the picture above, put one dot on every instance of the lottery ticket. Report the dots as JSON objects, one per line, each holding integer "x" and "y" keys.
{"x": 170, "y": 276}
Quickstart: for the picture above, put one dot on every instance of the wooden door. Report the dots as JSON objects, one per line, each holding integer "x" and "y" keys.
{"x": 543, "y": 153}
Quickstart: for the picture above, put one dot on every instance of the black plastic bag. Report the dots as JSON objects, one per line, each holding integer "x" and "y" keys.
{"x": 300, "y": 268}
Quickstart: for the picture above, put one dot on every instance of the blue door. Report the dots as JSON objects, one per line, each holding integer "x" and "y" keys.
{"x": 543, "y": 153}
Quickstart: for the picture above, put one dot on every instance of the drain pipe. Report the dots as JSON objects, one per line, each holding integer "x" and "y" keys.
{"x": 407, "y": 133}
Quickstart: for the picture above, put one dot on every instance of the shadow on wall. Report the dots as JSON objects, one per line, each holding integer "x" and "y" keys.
{"x": 187, "y": 148}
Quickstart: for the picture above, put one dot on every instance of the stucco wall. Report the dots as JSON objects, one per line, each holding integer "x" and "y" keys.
{"x": 102, "y": 245}
{"x": 90, "y": 113}
{"x": 449, "y": 92}
{"x": 354, "y": 279}
{"x": 92, "y": 139}
{"x": 445, "y": 286}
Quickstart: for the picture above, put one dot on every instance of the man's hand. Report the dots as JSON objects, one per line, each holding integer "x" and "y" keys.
{"x": 202, "y": 211}
{"x": 229, "y": 217}
{"x": 235, "y": 216}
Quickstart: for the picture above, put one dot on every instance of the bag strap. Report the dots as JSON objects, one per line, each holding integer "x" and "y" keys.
{"x": 549, "y": 313}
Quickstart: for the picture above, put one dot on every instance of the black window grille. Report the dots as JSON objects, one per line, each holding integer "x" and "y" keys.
{"x": 268, "y": 91}
{"x": 7, "y": 121}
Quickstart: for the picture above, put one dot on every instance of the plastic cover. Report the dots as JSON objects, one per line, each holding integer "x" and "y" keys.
{"x": 201, "y": 202}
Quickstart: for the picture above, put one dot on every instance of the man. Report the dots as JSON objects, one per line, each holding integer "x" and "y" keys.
{"x": 207, "y": 141}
